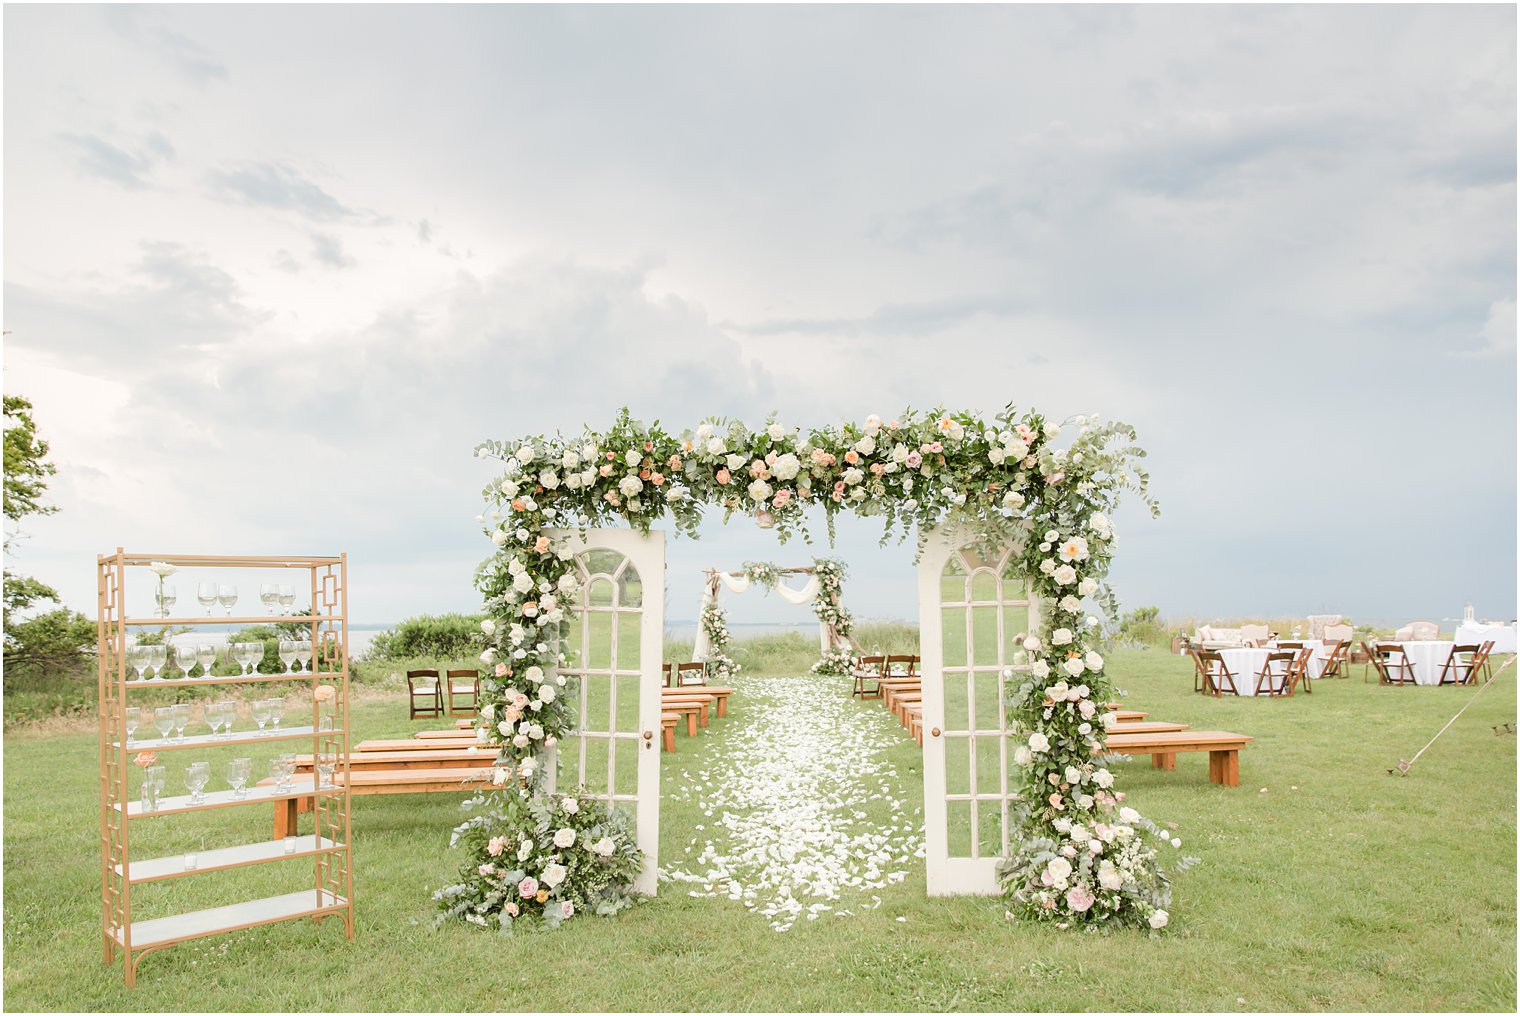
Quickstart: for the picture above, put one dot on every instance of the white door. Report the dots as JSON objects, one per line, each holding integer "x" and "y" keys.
{"x": 973, "y": 607}
{"x": 615, "y": 648}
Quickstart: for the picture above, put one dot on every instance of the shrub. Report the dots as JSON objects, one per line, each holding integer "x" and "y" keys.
{"x": 456, "y": 636}
{"x": 1143, "y": 625}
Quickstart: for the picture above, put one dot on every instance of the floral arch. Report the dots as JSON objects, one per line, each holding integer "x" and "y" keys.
{"x": 1078, "y": 856}
{"x": 821, "y": 591}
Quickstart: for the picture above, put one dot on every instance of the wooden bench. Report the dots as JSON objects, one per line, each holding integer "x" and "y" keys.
{"x": 1223, "y": 748}
{"x": 712, "y": 691}
{"x": 384, "y": 781}
{"x": 701, "y": 701}
{"x": 668, "y": 730}
{"x": 1147, "y": 727}
{"x": 415, "y": 744}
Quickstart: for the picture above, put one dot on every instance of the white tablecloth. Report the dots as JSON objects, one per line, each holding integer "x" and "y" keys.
{"x": 1317, "y": 661}
{"x": 1427, "y": 658}
{"x": 1503, "y": 636}
{"x": 1245, "y": 665}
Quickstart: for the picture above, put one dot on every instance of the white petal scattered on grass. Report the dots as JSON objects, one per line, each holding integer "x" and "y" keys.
{"x": 787, "y": 790}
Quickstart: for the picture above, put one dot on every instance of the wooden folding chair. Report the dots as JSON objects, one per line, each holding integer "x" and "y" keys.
{"x": 1217, "y": 676}
{"x": 1200, "y": 670}
{"x": 465, "y": 685}
{"x": 426, "y": 701}
{"x": 669, "y": 670}
{"x": 1465, "y": 664}
{"x": 691, "y": 673}
{"x": 901, "y": 666}
{"x": 1392, "y": 663}
{"x": 870, "y": 668}
{"x": 1335, "y": 659}
{"x": 1277, "y": 674}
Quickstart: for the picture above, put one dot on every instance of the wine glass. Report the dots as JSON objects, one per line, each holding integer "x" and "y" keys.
{"x": 269, "y": 594}
{"x": 241, "y": 657}
{"x": 163, "y": 719}
{"x": 303, "y": 653}
{"x": 134, "y": 720}
{"x": 227, "y": 595}
{"x": 184, "y": 658}
{"x": 181, "y": 718}
{"x": 276, "y": 712}
{"x": 137, "y": 659}
{"x": 287, "y": 598}
{"x": 288, "y": 654}
{"x": 325, "y": 765}
{"x": 158, "y": 656}
{"x": 205, "y": 595}
{"x": 283, "y": 767}
{"x": 238, "y": 771}
{"x": 261, "y": 713}
{"x": 165, "y": 596}
{"x": 229, "y": 715}
{"x": 197, "y": 775}
{"x": 205, "y": 655}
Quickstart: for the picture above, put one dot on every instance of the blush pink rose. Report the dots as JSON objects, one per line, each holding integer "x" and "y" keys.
{"x": 527, "y": 888}
{"x": 501, "y": 670}
{"x": 1080, "y": 899}
{"x": 914, "y": 460}
{"x": 512, "y": 909}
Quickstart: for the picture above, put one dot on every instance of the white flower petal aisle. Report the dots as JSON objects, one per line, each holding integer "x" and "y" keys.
{"x": 784, "y": 831}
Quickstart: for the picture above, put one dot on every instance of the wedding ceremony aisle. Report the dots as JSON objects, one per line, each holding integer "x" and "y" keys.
{"x": 803, "y": 807}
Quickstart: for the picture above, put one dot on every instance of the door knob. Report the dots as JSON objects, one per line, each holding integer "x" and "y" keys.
{"x": 934, "y": 732}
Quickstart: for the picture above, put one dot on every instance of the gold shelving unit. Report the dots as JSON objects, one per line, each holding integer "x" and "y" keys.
{"x": 326, "y": 849}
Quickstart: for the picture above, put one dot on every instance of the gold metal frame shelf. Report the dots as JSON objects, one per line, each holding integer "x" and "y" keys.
{"x": 327, "y": 850}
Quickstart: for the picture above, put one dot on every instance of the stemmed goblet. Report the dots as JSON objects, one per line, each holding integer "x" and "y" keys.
{"x": 158, "y": 656}
{"x": 205, "y": 595}
{"x": 184, "y": 658}
{"x": 261, "y": 713}
{"x": 303, "y": 653}
{"x": 197, "y": 775}
{"x": 165, "y": 596}
{"x": 137, "y": 659}
{"x": 227, "y": 595}
{"x": 134, "y": 720}
{"x": 163, "y": 719}
{"x": 238, "y": 771}
{"x": 288, "y": 654}
{"x": 205, "y": 655}
{"x": 287, "y": 597}
{"x": 181, "y": 718}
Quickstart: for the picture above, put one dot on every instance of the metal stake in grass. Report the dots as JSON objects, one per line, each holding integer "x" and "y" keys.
{"x": 1402, "y": 769}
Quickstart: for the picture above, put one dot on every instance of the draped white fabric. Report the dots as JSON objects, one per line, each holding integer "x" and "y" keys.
{"x": 807, "y": 594}
{"x": 736, "y": 582}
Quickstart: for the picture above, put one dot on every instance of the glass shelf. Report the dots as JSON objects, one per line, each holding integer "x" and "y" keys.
{"x": 191, "y": 682}
{"x": 159, "y": 868}
{"x": 299, "y": 787}
{"x": 259, "y": 619}
{"x": 196, "y": 924}
{"x": 210, "y": 741}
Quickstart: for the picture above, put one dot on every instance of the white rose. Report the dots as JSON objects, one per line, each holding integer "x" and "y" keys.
{"x": 1060, "y": 637}
{"x": 1087, "y": 587}
{"x": 1110, "y": 720}
{"x": 900, "y": 453}
{"x": 525, "y": 454}
{"x": 564, "y": 837}
{"x": 1073, "y": 775}
{"x": 776, "y": 431}
{"x": 1093, "y": 661}
{"x": 853, "y": 476}
{"x": 630, "y": 485}
{"x": 1032, "y": 643}
{"x": 524, "y": 850}
{"x": 1103, "y": 778}
{"x": 521, "y": 740}
{"x": 866, "y": 445}
{"x": 522, "y": 582}
{"x": 603, "y": 847}
{"x": 499, "y": 537}
{"x": 1084, "y": 801}
{"x": 1015, "y": 449}
{"x": 715, "y": 446}
{"x": 759, "y": 490}
{"x": 546, "y": 692}
{"x": 1052, "y": 431}
{"x": 487, "y": 711}
{"x": 554, "y": 874}
{"x": 548, "y": 479}
{"x": 570, "y": 805}
{"x": 573, "y": 481}
{"x": 1128, "y": 815}
{"x": 1064, "y": 575}
{"x": 509, "y": 488}
{"x": 704, "y": 431}
{"x": 504, "y": 728}
{"x": 488, "y": 626}
{"x": 1071, "y": 604}
{"x": 1022, "y": 756}
{"x": 1038, "y": 742}
{"x": 787, "y": 467}
{"x": 1047, "y": 566}
{"x": 995, "y": 456}
{"x": 1039, "y": 668}
{"x": 1109, "y": 877}
{"x": 567, "y": 582}
{"x": 1074, "y": 666}
{"x": 1059, "y": 868}
{"x": 535, "y": 674}
{"x": 633, "y": 458}
{"x": 1087, "y": 708}
{"x": 528, "y": 766}
{"x": 1158, "y": 919}
{"x": 570, "y": 460}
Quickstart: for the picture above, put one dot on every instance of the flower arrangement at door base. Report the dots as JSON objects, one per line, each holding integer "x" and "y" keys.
{"x": 837, "y": 662}
{"x": 720, "y": 665}
{"x": 1000, "y": 476}
{"x": 540, "y": 858}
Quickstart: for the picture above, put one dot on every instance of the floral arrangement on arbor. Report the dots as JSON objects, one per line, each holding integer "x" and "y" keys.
{"x": 540, "y": 856}
{"x": 837, "y": 662}
{"x": 715, "y": 625}
{"x": 1001, "y": 477}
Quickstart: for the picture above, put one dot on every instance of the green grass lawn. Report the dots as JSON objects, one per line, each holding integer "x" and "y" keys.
{"x": 1325, "y": 884}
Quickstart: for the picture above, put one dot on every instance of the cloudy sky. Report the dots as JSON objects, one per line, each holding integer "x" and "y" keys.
{"x": 271, "y": 273}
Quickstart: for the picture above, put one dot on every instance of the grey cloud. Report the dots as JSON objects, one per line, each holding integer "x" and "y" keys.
{"x": 328, "y": 249}
{"x": 98, "y": 157}
{"x": 280, "y": 187}
{"x": 185, "y": 55}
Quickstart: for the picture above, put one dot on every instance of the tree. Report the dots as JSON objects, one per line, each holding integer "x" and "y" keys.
{"x": 26, "y": 466}
{"x": 60, "y": 637}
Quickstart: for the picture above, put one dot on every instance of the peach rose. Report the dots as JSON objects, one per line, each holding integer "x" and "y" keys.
{"x": 852, "y": 456}
{"x": 541, "y": 545}
{"x": 724, "y": 476}
{"x": 658, "y": 479}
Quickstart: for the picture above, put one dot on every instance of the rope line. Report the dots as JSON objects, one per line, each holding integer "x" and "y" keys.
{"x": 1404, "y": 767}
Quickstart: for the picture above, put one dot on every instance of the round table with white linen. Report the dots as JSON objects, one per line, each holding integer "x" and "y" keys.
{"x": 1245, "y": 666}
{"x": 1502, "y": 636}
{"x": 1319, "y": 655}
{"x": 1427, "y": 658}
